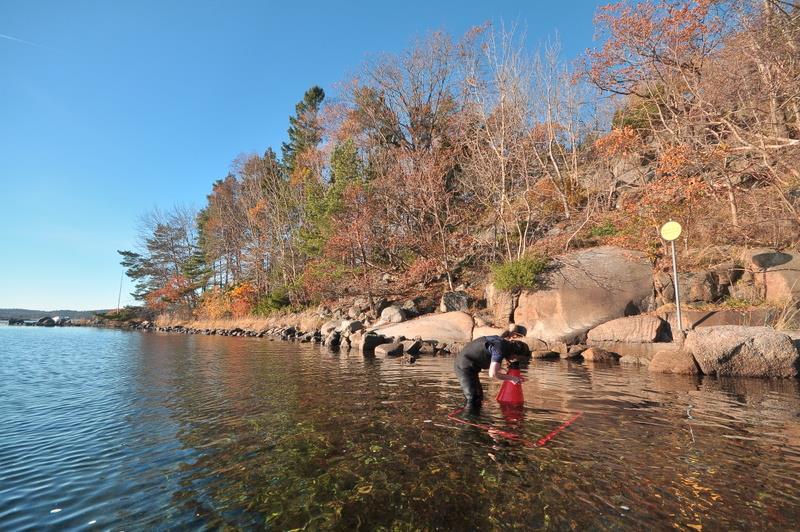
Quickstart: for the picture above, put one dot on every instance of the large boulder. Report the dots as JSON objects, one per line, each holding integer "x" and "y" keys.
{"x": 332, "y": 339}
{"x": 633, "y": 329}
{"x": 393, "y": 314}
{"x": 695, "y": 287}
{"x": 392, "y": 349}
{"x": 585, "y": 289}
{"x": 776, "y": 274}
{"x": 678, "y": 362}
{"x": 701, "y": 287}
{"x": 644, "y": 352}
{"x": 477, "y": 332}
{"x": 329, "y": 326}
{"x": 349, "y": 326}
{"x": 452, "y": 301}
{"x": 367, "y": 343}
{"x": 743, "y": 351}
{"x": 447, "y": 327}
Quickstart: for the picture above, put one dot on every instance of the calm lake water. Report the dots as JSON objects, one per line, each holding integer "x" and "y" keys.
{"x": 104, "y": 429}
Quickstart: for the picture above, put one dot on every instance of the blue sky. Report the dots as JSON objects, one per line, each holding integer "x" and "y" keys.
{"x": 108, "y": 109}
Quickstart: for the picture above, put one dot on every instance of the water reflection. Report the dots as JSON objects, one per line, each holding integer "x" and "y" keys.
{"x": 208, "y": 432}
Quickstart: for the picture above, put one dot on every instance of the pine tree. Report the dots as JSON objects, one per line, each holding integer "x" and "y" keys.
{"x": 323, "y": 203}
{"x": 304, "y": 128}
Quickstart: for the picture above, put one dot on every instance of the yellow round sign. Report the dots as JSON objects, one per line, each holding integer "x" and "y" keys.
{"x": 670, "y": 231}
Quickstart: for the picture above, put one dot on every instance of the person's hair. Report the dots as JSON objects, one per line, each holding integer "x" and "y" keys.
{"x": 519, "y": 348}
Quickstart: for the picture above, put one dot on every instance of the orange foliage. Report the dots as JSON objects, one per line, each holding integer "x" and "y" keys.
{"x": 243, "y": 298}
{"x": 618, "y": 142}
{"x": 422, "y": 270}
{"x": 160, "y": 300}
{"x": 215, "y": 304}
{"x": 648, "y": 36}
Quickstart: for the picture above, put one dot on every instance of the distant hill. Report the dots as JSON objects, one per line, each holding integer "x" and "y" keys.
{"x": 28, "y": 314}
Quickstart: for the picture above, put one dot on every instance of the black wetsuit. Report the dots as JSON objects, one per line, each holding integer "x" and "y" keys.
{"x": 475, "y": 356}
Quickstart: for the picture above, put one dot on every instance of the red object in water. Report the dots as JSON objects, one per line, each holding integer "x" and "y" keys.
{"x": 511, "y": 393}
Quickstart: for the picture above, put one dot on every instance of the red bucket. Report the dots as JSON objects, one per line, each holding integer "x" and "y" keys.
{"x": 511, "y": 393}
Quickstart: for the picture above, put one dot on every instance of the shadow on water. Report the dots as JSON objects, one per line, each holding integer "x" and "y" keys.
{"x": 214, "y": 432}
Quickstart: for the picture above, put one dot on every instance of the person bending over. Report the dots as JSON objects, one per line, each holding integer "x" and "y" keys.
{"x": 486, "y": 352}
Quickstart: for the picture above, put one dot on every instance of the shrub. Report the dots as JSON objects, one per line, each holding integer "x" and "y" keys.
{"x": 605, "y": 229}
{"x": 214, "y": 304}
{"x": 278, "y": 299}
{"x": 243, "y": 299}
{"x": 520, "y": 274}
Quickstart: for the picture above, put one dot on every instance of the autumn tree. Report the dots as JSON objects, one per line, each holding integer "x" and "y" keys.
{"x": 164, "y": 268}
{"x": 708, "y": 83}
{"x": 305, "y": 131}
{"x": 403, "y": 112}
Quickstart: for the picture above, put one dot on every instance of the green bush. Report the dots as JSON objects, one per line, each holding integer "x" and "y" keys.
{"x": 276, "y": 300}
{"x": 605, "y": 229}
{"x": 520, "y": 274}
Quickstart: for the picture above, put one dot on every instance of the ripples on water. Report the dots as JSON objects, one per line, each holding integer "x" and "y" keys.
{"x": 109, "y": 429}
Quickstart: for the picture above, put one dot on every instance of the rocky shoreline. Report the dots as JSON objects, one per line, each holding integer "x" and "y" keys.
{"x": 603, "y": 304}
{"x": 726, "y": 350}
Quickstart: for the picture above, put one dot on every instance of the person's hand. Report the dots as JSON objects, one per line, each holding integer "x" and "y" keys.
{"x": 516, "y": 380}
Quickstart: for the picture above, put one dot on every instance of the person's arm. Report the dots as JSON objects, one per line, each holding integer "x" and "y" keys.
{"x": 494, "y": 373}
{"x": 495, "y": 348}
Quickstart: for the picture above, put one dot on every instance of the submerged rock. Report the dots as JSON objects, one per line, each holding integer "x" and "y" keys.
{"x": 597, "y": 354}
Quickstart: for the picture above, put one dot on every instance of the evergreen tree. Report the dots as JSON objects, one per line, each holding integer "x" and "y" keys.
{"x": 322, "y": 204}
{"x": 304, "y": 129}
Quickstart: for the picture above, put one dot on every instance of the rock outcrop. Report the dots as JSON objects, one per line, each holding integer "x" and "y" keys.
{"x": 776, "y": 275}
{"x": 633, "y": 329}
{"x": 446, "y": 327}
{"x": 585, "y": 289}
{"x": 500, "y": 303}
{"x": 732, "y": 350}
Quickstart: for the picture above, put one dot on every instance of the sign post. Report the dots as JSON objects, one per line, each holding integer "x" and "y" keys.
{"x": 670, "y": 232}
